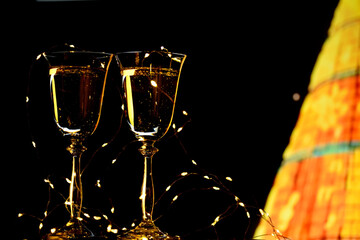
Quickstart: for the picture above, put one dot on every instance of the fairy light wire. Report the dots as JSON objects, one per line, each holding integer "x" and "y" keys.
{"x": 216, "y": 184}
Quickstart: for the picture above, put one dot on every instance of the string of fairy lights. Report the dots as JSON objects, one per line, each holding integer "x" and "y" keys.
{"x": 217, "y": 184}
{"x": 214, "y": 184}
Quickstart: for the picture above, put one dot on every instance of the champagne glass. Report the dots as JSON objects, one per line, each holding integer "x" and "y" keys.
{"x": 77, "y": 84}
{"x": 150, "y": 82}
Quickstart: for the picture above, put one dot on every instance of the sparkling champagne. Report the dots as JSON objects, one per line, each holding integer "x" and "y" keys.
{"x": 150, "y": 95}
{"x": 77, "y": 94}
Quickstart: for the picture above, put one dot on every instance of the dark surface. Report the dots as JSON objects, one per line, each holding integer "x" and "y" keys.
{"x": 245, "y": 62}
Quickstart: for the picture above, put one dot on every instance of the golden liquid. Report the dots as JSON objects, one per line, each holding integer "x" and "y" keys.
{"x": 77, "y": 94}
{"x": 150, "y": 95}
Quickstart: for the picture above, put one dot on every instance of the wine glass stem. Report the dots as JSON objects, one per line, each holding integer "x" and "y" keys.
{"x": 75, "y": 192}
{"x": 147, "y": 190}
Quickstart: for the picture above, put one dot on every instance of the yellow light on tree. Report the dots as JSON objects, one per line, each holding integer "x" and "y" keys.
{"x": 316, "y": 193}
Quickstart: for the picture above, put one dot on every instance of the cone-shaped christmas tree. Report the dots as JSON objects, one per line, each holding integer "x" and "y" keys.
{"x": 316, "y": 193}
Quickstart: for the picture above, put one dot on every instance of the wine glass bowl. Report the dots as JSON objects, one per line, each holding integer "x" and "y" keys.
{"x": 76, "y": 90}
{"x": 150, "y": 82}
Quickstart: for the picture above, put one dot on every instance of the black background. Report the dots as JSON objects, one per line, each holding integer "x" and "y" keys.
{"x": 245, "y": 61}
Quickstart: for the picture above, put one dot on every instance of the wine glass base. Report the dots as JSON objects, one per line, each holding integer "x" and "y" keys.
{"x": 146, "y": 231}
{"x": 72, "y": 230}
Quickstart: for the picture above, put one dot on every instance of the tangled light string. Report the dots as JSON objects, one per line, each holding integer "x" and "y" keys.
{"x": 216, "y": 184}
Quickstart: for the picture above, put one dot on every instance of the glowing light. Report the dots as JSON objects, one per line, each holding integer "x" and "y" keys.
{"x": 53, "y": 230}
{"x": 296, "y": 97}
{"x": 50, "y": 184}
{"x": 180, "y": 129}
{"x": 86, "y": 215}
{"x": 33, "y": 143}
{"x": 70, "y": 223}
{"x": 97, "y": 218}
{"x": 27, "y": 99}
{"x": 38, "y": 56}
{"x": 113, "y": 161}
{"x": 123, "y": 107}
{"x": 41, "y": 225}
{"x": 20, "y": 214}
{"x": 261, "y": 212}
{"x": 104, "y": 145}
{"x": 229, "y": 179}
{"x": 147, "y": 55}
{"x": 241, "y": 204}
{"x": 98, "y": 184}
{"x": 168, "y": 188}
{"x": 217, "y": 219}
{"x": 184, "y": 113}
{"x": 174, "y": 126}
{"x": 112, "y": 210}
{"x": 193, "y": 162}
{"x": 216, "y": 188}
{"x": 175, "y": 198}
{"x": 184, "y": 174}
{"x": 106, "y": 217}
{"x": 109, "y": 228}
{"x": 153, "y": 83}
{"x": 68, "y": 180}
{"x": 133, "y": 224}
{"x": 45, "y": 213}
{"x": 206, "y": 177}
{"x": 248, "y": 214}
